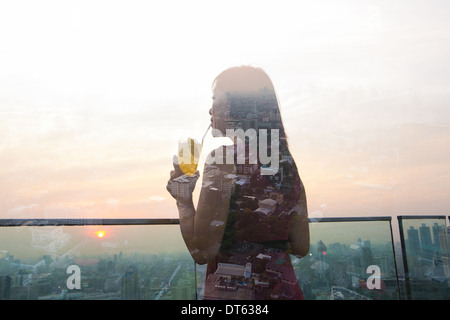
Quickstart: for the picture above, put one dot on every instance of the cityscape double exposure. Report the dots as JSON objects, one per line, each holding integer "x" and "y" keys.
{"x": 213, "y": 153}
{"x": 115, "y": 263}
{"x": 126, "y": 262}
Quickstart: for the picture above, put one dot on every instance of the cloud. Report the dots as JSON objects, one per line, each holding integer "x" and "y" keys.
{"x": 20, "y": 209}
{"x": 112, "y": 201}
{"x": 375, "y": 185}
{"x": 157, "y": 198}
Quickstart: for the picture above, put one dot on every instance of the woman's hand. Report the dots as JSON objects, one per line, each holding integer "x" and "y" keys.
{"x": 177, "y": 171}
{"x": 187, "y": 183}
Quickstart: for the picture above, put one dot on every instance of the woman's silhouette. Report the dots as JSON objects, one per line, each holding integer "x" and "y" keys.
{"x": 250, "y": 217}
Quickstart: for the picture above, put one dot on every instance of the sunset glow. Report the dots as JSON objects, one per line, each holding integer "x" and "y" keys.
{"x": 95, "y": 96}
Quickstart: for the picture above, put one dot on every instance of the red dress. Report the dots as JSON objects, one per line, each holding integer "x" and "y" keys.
{"x": 254, "y": 261}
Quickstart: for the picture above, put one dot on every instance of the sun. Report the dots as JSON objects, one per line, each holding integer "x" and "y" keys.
{"x": 100, "y": 234}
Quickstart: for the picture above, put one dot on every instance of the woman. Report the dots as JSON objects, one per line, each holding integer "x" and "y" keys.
{"x": 250, "y": 217}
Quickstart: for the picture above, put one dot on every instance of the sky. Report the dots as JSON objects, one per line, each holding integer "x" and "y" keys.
{"x": 95, "y": 95}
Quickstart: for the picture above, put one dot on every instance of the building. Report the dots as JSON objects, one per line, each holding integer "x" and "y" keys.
{"x": 5, "y": 287}
{"x": 412, "y": 241}
{"x": 130, "y": 284}
{"x": 182, "y": 187}
{"x": 183, "y": 291}
{"x": 246, "y": 169}
{"x": 234, "y": 270}
{"x": 436, "y": 228}
{"x": 425, "y": 241}
{"x": 267, "y": 207}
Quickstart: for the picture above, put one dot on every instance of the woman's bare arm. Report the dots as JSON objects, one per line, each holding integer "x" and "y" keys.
{"x": 202, "y": 228}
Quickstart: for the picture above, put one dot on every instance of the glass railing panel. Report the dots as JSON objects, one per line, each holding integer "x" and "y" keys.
{"x": 95, "y": 262}
{"x": 347, "y": 260}
{"x": 425, "y": 257}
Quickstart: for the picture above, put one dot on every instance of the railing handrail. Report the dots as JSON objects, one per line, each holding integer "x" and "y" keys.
{"x": 350, "y": 219}
{"x": 421, "y": 217}
{"x": 41, "y": 222}
{"x": 83, "y": 222}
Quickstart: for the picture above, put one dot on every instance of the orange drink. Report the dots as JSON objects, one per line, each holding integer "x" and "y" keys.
{"x": 188, "y": 155}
